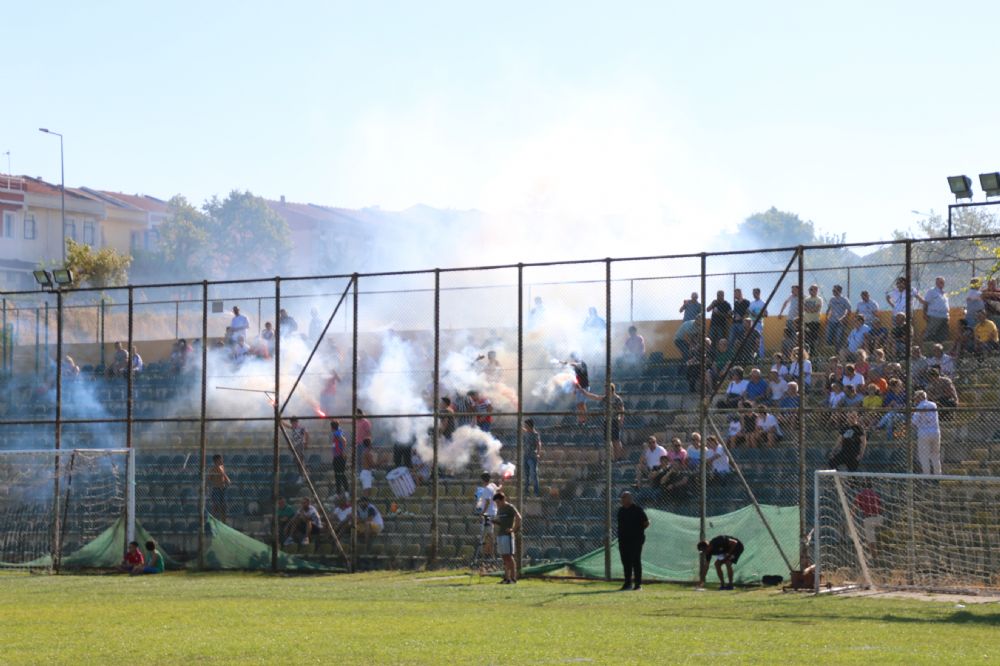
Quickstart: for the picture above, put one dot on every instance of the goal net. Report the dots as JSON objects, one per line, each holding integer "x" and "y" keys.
{"x": 54, "y": 503}
{"x": 907, "y": 531}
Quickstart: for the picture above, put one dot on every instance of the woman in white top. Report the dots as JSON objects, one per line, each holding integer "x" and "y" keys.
{"x": 780, "y": 367}
{"x": 804, "y": 375}
{"x": 836, "y": 395}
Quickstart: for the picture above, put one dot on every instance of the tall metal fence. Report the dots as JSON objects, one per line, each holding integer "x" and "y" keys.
{"x": 453, "y": 372}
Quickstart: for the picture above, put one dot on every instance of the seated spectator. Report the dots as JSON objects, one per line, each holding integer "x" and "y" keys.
{"x": 267, "y": 337}
{"x": 965, "y": 342}
{"x": 734, "y": 436}
{"x": 803, "y": 375}
{"x": 137, "y": 364}
{"x": 985, "y": 333}
{"x": 736, "y": 389}
{"x": 836, "y": 397}
{"x": 851, "y": 444}
{"x": 70, "y": 369}
{"x": 877, "y": 362}
{"x": 179, "y": 356}
{"x": 757, "y": 386}
{"x": 835, "y": 371}
{"x": 720, "y": 360}
{"x": 370, "y": 523}
{"x": 133, "y": 562}
{"x": 899, "y": 331}
{"x": 239, "y": 350}
{"x": 974, "y": 303}
{"x": 893, "y": 402}
{"x": 788, "y": 415}
{"x": 941, "y": 391}
{"x": 861, "y": 365}
{"x": 694, "y": 451}
{"x": 285, "y": 514}
{"x": 876, "y": 379}
{"x": 634, "y": 355}
{"x": 779, "y": 366}
{"x": 768, "y": 430}
{"x": 852, "y": 397}
{"x": 304, "y": 524}
{"x": 716, "y": 457}
{"x": 153, "y": 561}
{"x": 918, "y": 367}
{"x": 852, "y": 377}
{"x": 119, "y": 364}
{"x": 748, "y": 425}
{"x": 677, "y": 452}
{"x": 649, "y": 460}
{"x": 776, "y": 388}
{"x": 871, "y": 404}
{"x": 943, "y": 362}
{"x": 674, "y": 480}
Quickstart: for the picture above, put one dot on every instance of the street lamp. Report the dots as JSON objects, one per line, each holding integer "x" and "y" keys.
{"x": 62, "y": 187}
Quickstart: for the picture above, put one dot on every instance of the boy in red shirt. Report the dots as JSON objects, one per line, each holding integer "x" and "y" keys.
{"x": 133, "y": 558}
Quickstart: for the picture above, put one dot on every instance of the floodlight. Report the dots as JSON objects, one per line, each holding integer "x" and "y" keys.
{"x": 990, "y": 182}
{"x": 62, "y": 276}
{"x": 961, "y": 187}
{"x": 43, "y": 278}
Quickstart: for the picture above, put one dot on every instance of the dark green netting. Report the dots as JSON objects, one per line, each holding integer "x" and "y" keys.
{"x": 670, "y": 555}
{"x": 227, "y": 548}
{"x": 105, "y": 551}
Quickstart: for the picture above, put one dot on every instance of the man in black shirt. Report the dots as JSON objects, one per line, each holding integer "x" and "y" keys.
{"x": 721, "y": 317}
{"x": 508, "y": 522}
{"x": 851, "y": 445}
{"x": 632, "y": 524}
{"x": 726, "y": 550}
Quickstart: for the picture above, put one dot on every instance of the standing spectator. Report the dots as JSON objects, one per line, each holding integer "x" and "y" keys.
{"x": 941, "y": 391}
{"x": 897, "y": 297}
{"x": 925, "y": 420}
{"x": 691, "y": 308}
{"x": 508, "y": 524}
{"x": 617, "y": 419}
{"x": 899, "y": 332}
{"x": 465, "y": 410}
{"x": 687, "y": 336}
{"x": 582, "y": 384}
{"x": 812, "y": 307}
{"x": 838, "y": 309}
{"x": 632, "y": 524}
{"x": 484, "y": 411}
{"x": 758, "y": 310}
{"x": 935, "y": 304}
{"x": 287, "y": 324}
{"x": 741, "y": 309}
{"x": 792, "y": 305}
{"x": 635, "y": 349}
{"x": 446, "y": 422}
{"x": 218, "y": 481}
{"x": 719, "y": 361}
{"x": 238, "y": 326}
{"x": 974, "y": 303}
{"x": 649, "y": 460}
{"x": 721, "y": 310}
{"x": 594, "y": 322}
{"x": 532, "y": 442}
{"x": 338, "y": 447}
{"x": 991, "y": 299}
{"x": 299, "y": 437}
{"x": 867, "y": 308}
{"x": 850, "y": 448}
{"x": 362, "y": 427}
{"x": 536, "y": 315}
{"x": 857, "y": 338}
{"x": 267, "y": 337}
{"x": 985, "y": 334}
{"x": 315, "y": 325}
{"x": 487, "y": 509}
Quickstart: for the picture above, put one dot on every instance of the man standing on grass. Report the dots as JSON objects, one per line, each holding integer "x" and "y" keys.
{"x": 632, "y": 524}
{"x": 508, "y": 523}
{"x": 726, "y": 550}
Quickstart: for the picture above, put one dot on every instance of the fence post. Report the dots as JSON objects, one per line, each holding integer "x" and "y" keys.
{"x": 432, "y": 552}
{"x": 608, "y": 450}
{"x": 801, "y": 430}
{"x": 56, "y": 528}
{"x": 129, "y": 384}
{"x": 354, "y": 394}
{"x": 520, "y": 478}
{"x": 38, "y": 339}
{"x": 5, "y": 342}
{"x": 908, "y": 407}
{"x": 702, "y": 407}
{"x": 202, "y": 445}
{"x": 275, "y": 467}
{"x": 104, "y": 318}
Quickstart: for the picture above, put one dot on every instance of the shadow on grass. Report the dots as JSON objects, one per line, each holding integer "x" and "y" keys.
{"x": 959, "y": 617}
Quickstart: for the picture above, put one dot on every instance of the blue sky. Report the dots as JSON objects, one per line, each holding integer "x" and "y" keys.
{"x": 672, "y": 119}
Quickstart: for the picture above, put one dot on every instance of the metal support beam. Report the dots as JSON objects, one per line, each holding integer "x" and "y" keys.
{"x": 202, "y": 443}
{"x": 608, "y": 410}
{"x": 278, "y": 428}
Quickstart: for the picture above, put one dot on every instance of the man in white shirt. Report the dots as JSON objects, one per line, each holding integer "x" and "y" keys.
{"x": 896, "y": 298}
{"x": 935, "y": 303}
{"x": 853, "y": 378}
{"x": 694, "y": 451}
{"x": 239, "y": 326}
{"x": 649, "y": 460}
{"x": 776, "y": 387}
{"x": 716, "y": 456}
{"x": 487, "y": 509}
{"x": 306, "y": 521}
{"x": 370, "y": 522}
{"x": 925, "y": 420}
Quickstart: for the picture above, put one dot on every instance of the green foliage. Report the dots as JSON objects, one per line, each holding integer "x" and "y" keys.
{"x": 106, "y": 267}
{"x": 452, "y": 618}
{"x": 777, "y": 228}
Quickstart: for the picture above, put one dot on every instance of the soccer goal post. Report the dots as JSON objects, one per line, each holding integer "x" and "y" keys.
{"x": 907, "y": 531}
{"x": 54, "y": 503}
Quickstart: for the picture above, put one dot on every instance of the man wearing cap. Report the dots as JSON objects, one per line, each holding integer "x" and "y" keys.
{"x": 632, "y": 524}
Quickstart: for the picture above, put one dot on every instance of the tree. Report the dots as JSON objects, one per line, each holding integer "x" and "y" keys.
{"x": 777, "y": 228}
{"x": 106, "y": 267}
{"x": 183, "y": 246}
{"x": 248, "y": 238}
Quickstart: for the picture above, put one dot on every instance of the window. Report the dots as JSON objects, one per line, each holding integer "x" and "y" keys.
{"x": 69, "y": 229}
{"x": 8, "y": 225}
{"x": 29, "y": 227}
{"x": 88, "y": 233}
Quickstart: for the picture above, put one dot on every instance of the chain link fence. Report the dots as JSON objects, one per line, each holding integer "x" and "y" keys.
{"x": 382, "y": 399}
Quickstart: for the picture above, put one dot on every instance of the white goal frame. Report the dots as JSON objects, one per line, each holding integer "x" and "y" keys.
{"x": 835, "y": 479}
{"x": 58, "y": 454}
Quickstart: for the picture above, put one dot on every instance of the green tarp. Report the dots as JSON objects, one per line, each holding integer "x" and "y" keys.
{"x": 105, "y": 551}
{"x": 670, "y": 554}
{"x": 227, "y": 548}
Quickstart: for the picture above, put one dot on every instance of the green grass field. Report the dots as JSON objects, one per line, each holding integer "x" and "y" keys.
{"x": 441, "y": 618}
